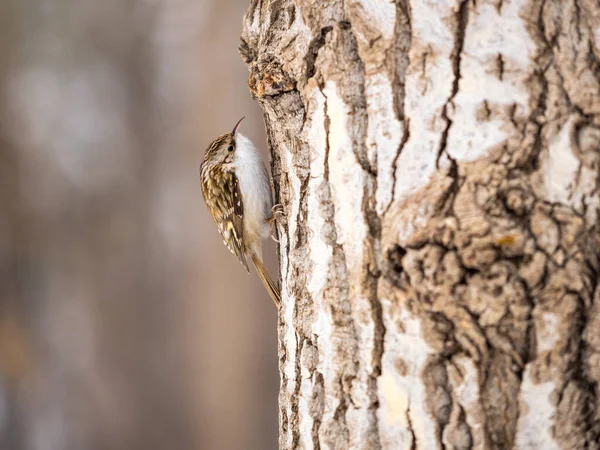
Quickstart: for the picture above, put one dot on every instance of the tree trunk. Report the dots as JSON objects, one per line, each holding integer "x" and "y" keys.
{"x": 439, "y": 167}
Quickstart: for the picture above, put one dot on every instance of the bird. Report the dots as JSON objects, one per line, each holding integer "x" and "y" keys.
{"x": 237, "y": 193}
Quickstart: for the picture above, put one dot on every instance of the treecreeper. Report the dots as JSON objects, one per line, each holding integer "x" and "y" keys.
{"x": 237, "y": 192}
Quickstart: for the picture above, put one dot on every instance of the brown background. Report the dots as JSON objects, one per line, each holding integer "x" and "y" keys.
{"x": 124, "y": 321}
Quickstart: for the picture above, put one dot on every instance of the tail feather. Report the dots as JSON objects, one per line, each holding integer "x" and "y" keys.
{"x": 270, "y": 285}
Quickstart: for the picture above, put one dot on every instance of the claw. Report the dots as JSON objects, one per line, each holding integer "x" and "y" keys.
{"x": 277, "y": 211}
{"x": 272, "y": 229}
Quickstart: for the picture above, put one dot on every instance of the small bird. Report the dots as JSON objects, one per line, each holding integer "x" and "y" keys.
{"x": 236, "y": 189}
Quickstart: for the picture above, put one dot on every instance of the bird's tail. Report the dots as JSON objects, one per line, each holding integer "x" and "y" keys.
{"x": 270, "y": 285}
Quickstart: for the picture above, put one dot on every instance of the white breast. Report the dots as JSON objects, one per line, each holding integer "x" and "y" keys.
{"x": 256, "y": 190}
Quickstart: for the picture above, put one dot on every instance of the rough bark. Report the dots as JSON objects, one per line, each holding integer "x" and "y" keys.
{"x": 439, "y": 166}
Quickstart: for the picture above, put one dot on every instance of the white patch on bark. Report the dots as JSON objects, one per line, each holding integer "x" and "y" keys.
{"x": 304, "y": 403}
{"x": 320, "y": 254}
{"x": 384, "y": 135}
{"x": 426, "y": 92}
{"x": 402, "y": 392}
{"x": 394, "y": 408}
{"x": 319, "y": 250}
{"x": 382, "y": 14}
{"x": 463, "y": 375}
{"x": 548, "y": 334}
{"x": 429, "y": 22}
{"x": 301, "y": 36}
{"x": 254, "y": 27}
{"x": 487, "y": 36}
{"x": 537, "y": 416}
{"x": 559, "y": 178}
{"x": 376, "y": 21}
{"x": 289, "y": 240}
{"x": 345, "y": 174}
{"x": 287, "y": 293}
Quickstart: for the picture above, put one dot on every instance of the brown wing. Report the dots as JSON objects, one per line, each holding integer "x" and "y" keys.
{"x": 224, "y": 199}
{"x": 237, "y": 222}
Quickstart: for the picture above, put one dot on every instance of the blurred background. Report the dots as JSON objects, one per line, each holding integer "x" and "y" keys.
{"x": 124, "y": 321}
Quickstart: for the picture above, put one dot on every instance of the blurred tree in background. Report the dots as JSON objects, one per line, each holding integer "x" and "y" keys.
{"x": 124, "y": 321}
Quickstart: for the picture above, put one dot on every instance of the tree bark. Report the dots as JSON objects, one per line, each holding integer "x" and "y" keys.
{"x": 439, "y": 167}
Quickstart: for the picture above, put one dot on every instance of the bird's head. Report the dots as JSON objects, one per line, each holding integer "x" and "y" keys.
{"x": 222, "y": 149}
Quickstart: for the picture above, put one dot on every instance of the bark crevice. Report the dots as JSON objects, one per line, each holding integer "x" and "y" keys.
{"x": 462, "y": 18}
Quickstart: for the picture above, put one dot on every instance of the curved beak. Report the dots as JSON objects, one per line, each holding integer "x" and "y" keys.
{"x": 237, "y": 125}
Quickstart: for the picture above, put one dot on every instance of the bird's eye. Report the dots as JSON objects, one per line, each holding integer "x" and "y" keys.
{"x": 230, "y": 148}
